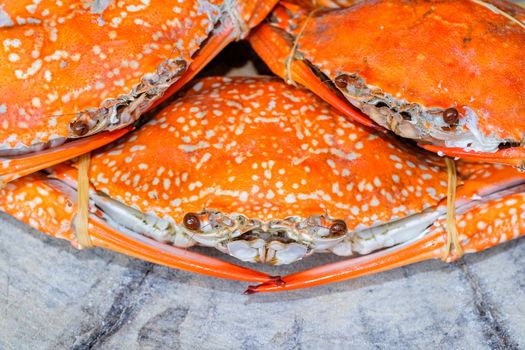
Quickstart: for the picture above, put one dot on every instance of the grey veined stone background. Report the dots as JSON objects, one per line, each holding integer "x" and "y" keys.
{"x": 55, "y": 297}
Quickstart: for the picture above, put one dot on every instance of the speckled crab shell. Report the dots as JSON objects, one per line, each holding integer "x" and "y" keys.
{"x": 441, "y": 72}
{"x": 246, "y": 155}
{"x": 75, "y": 68}
{"x": 238, "y": 144}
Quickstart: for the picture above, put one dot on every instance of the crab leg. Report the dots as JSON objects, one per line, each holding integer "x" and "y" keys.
{"x": 49, "y": 205}
{"x": 223, "y": 36}
{"x": 503, "y": 219}
{"x": 30, "y": 163}
{"x": 514, "y": 156}
{"x": 276, "y": 51}
{"x": 212, "y": 47}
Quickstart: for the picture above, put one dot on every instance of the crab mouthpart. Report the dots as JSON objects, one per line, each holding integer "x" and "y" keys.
{"x": 118, "y": 112}
{"x": 456, "y": 126}
{"x": 274, "y": 242}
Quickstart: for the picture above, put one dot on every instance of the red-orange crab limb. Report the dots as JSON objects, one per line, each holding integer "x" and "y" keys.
{"x": 276, "y": 49}
{"x": 483, "y": 222}
{"x": 50, "y": 206}
{"x": 72, "y": 69}
{"x": 266, "y": 173}
{"x": 440, "y": 72}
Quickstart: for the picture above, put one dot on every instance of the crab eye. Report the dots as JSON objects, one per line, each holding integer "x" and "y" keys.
{"x": 451, "y": 116}
{"x": 79, "y": 128}
{"x": 342, "y": 81}
{"x": 192, "y": 222}
{"x": 338, "y": 228}
{"x": 352, "y": 83}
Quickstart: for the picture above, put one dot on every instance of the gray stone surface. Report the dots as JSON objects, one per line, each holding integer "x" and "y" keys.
{"x": 55, "y": 297}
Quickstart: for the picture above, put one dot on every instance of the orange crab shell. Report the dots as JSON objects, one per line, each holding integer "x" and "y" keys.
{"x": 268, "y": 151}
{"x": 35, "y": 201}
{"x": 430, "y": 53}
{"x": 52, "y": 73}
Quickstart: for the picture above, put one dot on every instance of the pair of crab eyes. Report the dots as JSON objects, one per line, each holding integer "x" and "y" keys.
{"x": 192, "y": 222}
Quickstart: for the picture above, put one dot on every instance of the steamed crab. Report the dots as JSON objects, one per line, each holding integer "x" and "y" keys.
{"x": 444, "y": 73}
{"x": 269, "y": 173}
{"x": 70, "y": 70}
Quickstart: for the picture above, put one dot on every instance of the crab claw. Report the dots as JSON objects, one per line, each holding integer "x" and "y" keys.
{"x": 276, "y": 49}
{"x": 147, "y": 249}
{"x": 499, "y": 199}
{"x": 420, "y": 250}
{"x": 50, "y": 206}
{"x": 14, "y": 168}
{"x": 514, "y": 156}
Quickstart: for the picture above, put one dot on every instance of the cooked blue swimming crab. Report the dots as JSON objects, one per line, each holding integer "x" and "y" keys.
{"x": 442, "y": 73}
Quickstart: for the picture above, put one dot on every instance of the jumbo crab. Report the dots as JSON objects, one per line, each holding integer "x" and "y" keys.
{"x": 444, "y": 73}
{"x": 70, "y": 70}
{"x": 271, "y": 174}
